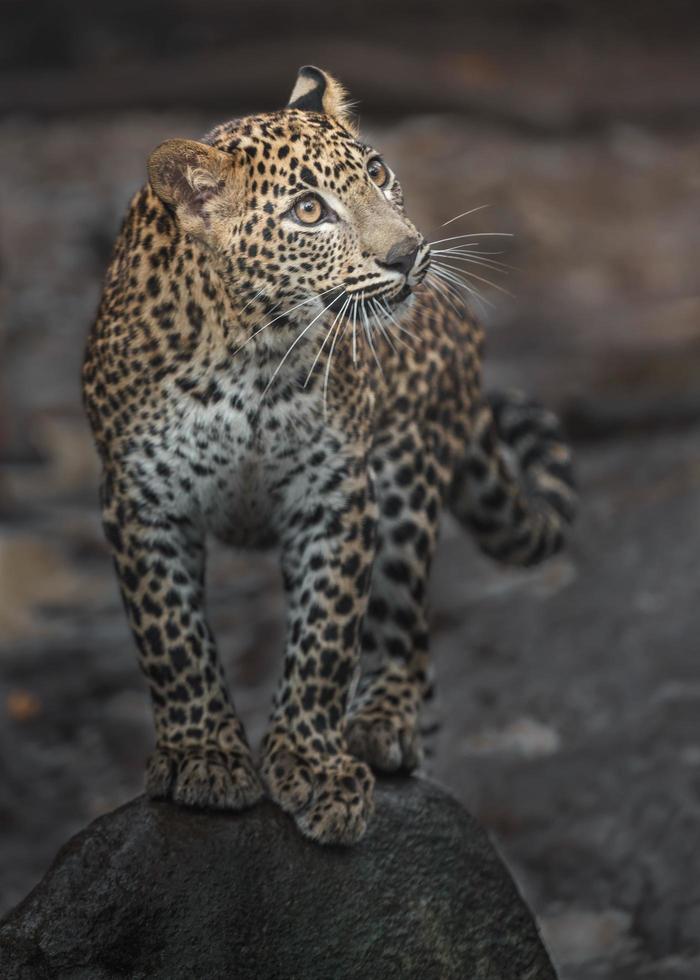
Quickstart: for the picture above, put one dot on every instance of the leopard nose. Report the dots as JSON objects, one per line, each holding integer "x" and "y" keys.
{"x": 401, "y": 256}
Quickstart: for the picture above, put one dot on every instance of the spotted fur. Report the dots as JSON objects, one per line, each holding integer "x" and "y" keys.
{"x": 267, "y": 381}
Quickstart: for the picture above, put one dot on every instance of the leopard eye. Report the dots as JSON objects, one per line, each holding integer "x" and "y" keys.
{"x": 378, "y": 172}
{"x": 309, "y": 209}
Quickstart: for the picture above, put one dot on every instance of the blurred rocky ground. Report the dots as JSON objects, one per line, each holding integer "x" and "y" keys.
{"x": 571, "y": 694}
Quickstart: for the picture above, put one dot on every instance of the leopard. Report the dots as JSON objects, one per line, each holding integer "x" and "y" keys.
{"x": 274, "y": 364}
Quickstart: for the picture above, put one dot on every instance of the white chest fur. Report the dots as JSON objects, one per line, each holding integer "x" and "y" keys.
{"x": 234, "y": 467}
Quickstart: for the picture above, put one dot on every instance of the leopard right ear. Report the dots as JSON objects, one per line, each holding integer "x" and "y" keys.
{"x": 200, "y": 182}
{"x": 318, "y": 91}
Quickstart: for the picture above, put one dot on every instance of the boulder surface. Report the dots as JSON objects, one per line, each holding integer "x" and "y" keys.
{"x": 160, "y": 892}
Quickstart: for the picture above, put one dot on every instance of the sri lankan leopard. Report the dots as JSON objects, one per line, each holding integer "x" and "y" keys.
{"x": 273, "y": 363}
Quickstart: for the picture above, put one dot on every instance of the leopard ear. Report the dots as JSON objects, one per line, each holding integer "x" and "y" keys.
{"x": 200, "y": 182}
{"x": 317, "y": 91}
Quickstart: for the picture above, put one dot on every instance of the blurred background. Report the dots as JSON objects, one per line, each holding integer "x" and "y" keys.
{"x": 571, "y": 694}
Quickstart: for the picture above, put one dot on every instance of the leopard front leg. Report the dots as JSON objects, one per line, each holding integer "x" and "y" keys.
{"x": 327, "y": 556}
{"x": 384, "y": 717}
{"x": 202, "y": 758}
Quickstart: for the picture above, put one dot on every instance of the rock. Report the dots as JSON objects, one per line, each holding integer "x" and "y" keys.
{"x": 155, "y": 891}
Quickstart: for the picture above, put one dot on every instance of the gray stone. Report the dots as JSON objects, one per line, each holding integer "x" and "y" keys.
{"x": 152, "y": 890}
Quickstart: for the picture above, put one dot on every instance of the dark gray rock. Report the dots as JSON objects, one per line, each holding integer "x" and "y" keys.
{"x": 156, "y": 891}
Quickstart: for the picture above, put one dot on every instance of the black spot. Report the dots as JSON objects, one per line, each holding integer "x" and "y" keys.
{"x": 397, "y": 571}
{"x": 378, "y": 609}
{"x": 404, "y": 532}
{"x": 195, "y": 315}
{"x": 113, "y": 535}
{"x": 316, "y": 613}
{"x": 417, "y": 497}
{"x": 151, "y": 607}
{"x": 351, "y": 566}
{"x": 396, "y": 648}
{"x": 154, "y": 640}
{"x": 392, "y": 505}
{"x": 404, "y": 475}
{"x": 328, "y": 661}
{"x": 308, "y": 177}
{"x": 308, "y": 698}
{"x": 344, "y": 605}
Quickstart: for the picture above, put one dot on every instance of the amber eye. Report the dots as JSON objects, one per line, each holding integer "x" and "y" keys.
{"x": 378, "y": 172}
{"x": 309, "y": 209}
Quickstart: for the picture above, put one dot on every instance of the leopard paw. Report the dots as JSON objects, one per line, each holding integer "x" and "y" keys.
{"x": 387, "y": 742}
{"x": 203, "y": 777}
{"x": 329, "y": 797}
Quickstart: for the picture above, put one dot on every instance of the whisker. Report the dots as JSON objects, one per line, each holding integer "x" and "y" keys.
{"x": 468, "y": 249}
{"x": 337, "y": 320}
{"x": 354, "y": 336}
{"x": 399, "y": 340}
{"x": 378, "y": 317}
{"x": 370, "y": 341}
{"x": 363, "y": 324}
{"x": 443, "y": 290}
{"x": 460, "y": 284}
{"x": 480, "y": 234}
{"x": 250, "y": 301}
{"x": 321, "y": 347}
{"x": 464, "y": 214}
{"x": 391, "y": 336}
{"x": 451, "y": 277}
{"x": 473, "y": 275}
{"x": 293, "y": 345}
{"x": 400, "y": 326}
{"x": 286, "y": 313}
{"x": 500, "y": 267}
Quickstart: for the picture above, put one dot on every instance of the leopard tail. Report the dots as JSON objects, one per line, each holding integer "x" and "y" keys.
{"x": 514, "y": 487}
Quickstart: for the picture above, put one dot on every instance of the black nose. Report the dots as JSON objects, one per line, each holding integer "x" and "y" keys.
{"x": 401, "y": 256}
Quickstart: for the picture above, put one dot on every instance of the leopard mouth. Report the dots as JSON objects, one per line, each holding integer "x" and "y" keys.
{"x": 371, "y": 299}
{"x": 398, "y": 298}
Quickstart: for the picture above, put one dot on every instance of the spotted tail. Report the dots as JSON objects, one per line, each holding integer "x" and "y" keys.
{"x": 514, "y": 487}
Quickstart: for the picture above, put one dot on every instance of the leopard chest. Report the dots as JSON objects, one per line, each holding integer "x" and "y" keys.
{"x": 233, "y": 470}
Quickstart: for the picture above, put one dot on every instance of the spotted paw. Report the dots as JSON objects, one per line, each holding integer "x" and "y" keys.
{"x": 202, "y": 777}
{"x": 330, "y": 797}
{"x": 388, "y": 743}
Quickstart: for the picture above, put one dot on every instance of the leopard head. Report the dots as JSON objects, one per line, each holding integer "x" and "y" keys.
{"x": 297, "y": 212}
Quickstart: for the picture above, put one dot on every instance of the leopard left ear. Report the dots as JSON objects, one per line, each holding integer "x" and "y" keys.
{"x": 317, "y": 91}
{"x": 204, "y": 185}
